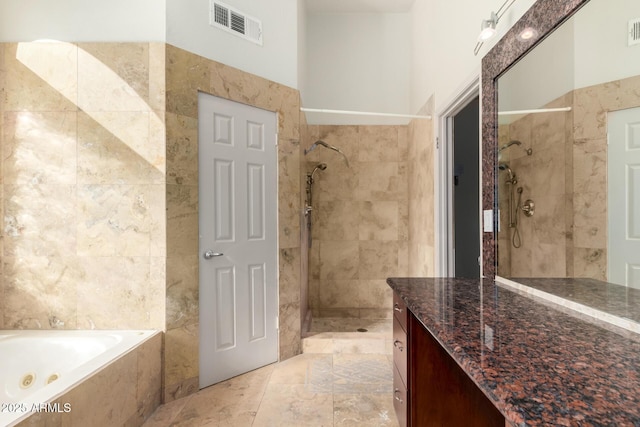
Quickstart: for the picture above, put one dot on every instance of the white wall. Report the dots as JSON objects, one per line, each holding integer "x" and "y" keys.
{"x": 302, "y": 46}
{"x": 188, "y": 28}
{"x": 357, "y": 61}
{"x": 183, "y": 23}
{"x": 543, "y": 75}
{"x": 82, "y": 20}
{"x": 603, "y": 55}
{"x": 444, "y": 34}
{"x": 591, "y": 48}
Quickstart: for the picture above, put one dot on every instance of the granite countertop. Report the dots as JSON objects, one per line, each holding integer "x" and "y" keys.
{"x": 540, "y": 365}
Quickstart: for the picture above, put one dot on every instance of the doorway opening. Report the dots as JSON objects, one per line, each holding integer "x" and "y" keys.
{"x": 458, "y": 217}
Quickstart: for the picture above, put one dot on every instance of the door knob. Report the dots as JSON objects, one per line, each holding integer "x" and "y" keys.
{"x": 211, "y": 254}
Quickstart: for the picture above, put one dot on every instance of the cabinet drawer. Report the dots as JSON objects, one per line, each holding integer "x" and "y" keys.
{"x": 400, "y": 399}
{"x": 400, "y": 350}
{"x": 400, "y": 310}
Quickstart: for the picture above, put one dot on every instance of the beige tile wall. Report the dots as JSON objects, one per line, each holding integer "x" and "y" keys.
{"x": 83, "y": 168}
{"x": 305, "y": 313}
{"x": 186, "y": 74}
{"x": 421, "y": 259}
{"x": 542, "y": 177}
{"x": 3, "y": 95}
{"x": 360, "y": 219}
{"x": 567, "y": 178}
{"x": 591, "y": 105}
{"x": 99, "y": 190}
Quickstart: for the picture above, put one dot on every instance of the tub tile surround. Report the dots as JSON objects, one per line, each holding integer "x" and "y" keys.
{"x": 567, "y": 178}
{"x": 538, "y": 363}
{"x": 100, "y": 191}
{"x": 125, "y": 392}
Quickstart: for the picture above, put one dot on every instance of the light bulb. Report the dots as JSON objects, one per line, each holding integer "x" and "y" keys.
{"x": 486, "y": 34}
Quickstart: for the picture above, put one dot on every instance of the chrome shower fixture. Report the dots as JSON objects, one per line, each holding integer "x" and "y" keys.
{"x": 512, "y": 176}
{"x": 321, "y": 166}
{"x": 529, "y": 151}
{"x": 329, "y": 146}
{"x": 509, "y": 144}
{"x": 309, "y": 200}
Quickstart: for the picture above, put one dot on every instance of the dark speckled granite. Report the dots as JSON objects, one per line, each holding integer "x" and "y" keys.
{"x": 540, "y": 366}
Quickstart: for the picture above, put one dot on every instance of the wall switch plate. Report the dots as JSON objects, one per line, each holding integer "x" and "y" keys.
{"x": 488, "y": 221}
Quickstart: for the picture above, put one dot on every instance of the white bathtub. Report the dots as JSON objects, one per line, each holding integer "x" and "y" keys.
{"x": 37, "y": 367}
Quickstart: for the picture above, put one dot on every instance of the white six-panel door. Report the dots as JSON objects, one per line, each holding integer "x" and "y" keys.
{"x": 238, "y": 238}
{"x": 624, "y": 197}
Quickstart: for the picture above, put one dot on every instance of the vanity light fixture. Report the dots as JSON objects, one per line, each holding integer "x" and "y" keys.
{"x": 488, "y": 26}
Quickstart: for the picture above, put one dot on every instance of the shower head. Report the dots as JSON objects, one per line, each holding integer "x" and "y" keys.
{"x": 509, "y": 144}
{"x": 325, "y": 145}
{"x": 321, "y": 166}
{"x": 315, "y": 144}
{"x": 505, "y": 167}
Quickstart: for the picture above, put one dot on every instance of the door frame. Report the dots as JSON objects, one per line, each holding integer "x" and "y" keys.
{"x": 444, "y": 239}
{"x": 614, "y": 190}
{"x": 277, "y": 223}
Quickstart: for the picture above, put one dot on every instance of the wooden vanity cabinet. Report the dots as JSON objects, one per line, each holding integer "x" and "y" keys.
{"x": 430, "y": 388}
{"x": 400, "y": 359}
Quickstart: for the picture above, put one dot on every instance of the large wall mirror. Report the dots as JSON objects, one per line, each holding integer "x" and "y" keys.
{"x": 562, "y": 139}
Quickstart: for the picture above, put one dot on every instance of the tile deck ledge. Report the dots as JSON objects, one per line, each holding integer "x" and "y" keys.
{"x": 604, "y": 316}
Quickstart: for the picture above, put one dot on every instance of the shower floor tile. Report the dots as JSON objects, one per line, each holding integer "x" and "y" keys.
{"x": 340, "y": 336}
{"x": 306, "y": 390}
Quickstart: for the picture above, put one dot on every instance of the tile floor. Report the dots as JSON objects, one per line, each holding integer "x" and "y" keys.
{"x": 344, "y": 387}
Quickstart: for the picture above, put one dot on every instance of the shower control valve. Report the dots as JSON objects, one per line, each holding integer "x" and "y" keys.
{"x": 528, "y": 207}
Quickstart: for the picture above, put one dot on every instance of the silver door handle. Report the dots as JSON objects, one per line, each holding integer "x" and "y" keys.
{"x": 211, "y": 254}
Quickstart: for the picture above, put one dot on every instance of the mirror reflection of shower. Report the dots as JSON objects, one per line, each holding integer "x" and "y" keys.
{"x": 514, "y": 206}
{"x": 529, "y": 151}
{"x": 514, "y": 209}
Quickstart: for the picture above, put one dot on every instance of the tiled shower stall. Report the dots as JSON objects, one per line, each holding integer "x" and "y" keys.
{"x": 566, "y": 177}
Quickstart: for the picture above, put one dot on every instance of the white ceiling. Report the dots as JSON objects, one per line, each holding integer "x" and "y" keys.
{"x": 359, "y": 6}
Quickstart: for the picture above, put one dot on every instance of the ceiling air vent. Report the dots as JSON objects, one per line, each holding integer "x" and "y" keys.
{"x": 232, "y": 20}
{"x": 634, "y": 31}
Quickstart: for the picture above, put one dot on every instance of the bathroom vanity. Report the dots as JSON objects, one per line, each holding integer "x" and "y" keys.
{"x": 469, "y": 352}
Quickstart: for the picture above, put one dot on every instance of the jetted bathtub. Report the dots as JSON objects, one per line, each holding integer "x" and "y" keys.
{"x": 40, "y": 370}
